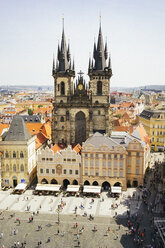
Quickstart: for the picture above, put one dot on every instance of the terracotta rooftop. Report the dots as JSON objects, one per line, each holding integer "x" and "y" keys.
{"x": 56, "y": 148}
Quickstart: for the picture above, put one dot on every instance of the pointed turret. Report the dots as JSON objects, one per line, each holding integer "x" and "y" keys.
{"x": 63, "y": 55}
{"x": 53, "y": 67}
{"x": 68, "y": 53}
{"x": 109, "y": 63}
{"x": 106, "y": 51}
{"x": 73, "y": 66}
{"x": 98, "y": 63}
{"x": 89, "y": 66}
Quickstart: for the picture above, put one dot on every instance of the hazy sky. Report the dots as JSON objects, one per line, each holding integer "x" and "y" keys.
{"x": 30, "y": 31}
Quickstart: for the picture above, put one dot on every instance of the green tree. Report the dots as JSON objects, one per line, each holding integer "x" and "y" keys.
{"x": 30, "y": 112}
{"x": 40, "y": 106}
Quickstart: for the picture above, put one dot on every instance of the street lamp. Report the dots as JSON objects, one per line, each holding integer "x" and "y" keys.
{"x": 58, "y": 212}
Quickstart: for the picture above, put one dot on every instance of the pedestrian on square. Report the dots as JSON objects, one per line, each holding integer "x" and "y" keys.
{"x": 48, "y": 240}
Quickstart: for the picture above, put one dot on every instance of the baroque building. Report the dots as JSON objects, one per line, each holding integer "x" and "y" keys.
{"x": 18, "y": 158}
{"x": 56, "y": 166}
{"x": 79, "y": 110}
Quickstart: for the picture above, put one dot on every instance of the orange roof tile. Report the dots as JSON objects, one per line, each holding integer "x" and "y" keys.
{"x": 121, "y": 128}
{"x": 77, "y": 148}
{"x": 140, "y": 128}
{"x": 46, "y": 129}
{"x": 34, "y": 128}
{"x": 40, "y": 140}
{"x": 55, "y": 148}
{"x": 2, "y": 126}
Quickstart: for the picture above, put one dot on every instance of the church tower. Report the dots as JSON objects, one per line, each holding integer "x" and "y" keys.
{"x": 100, "y": 72}
{"x": 63, "y": 73}
{"x": 80, "y": 111}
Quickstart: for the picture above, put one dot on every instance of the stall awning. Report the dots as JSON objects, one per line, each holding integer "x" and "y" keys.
{"x": 21, "y": 186}
{"x": 115, "y": 189}
{"x": 92, "y": 189}
{"x": 73, "y": 188}
{"x": 48, "y": 187}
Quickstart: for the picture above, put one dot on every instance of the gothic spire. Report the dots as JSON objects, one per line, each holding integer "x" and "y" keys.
{"x": 100, "y": 59}
{"x": 73, "y": 65}
{"x": 106, "y": 51}
{"x": 63, "y": 54}
{"x": 53, "y": 67}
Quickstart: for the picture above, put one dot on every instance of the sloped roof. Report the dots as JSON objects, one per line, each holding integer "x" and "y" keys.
{"x": 55, "y": 148}
{"x": 140, "y": 132}
{"x": 41, "y": 139}
{"x": 77, "y": 148}
{"x": 34, "y": 127}
{"x": 17, "y": 131}
{"x": 98, "y": 139}
{"x": 2, "y": 126}
{"x": 46, "y": 129}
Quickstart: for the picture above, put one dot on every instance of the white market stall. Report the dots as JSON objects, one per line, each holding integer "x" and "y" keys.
{"x": 73, "y": 190}
{"x": 92, "y": 190}
{"x": 116, "y": 189}
{"x": 47, "y": 188}
{"x": 20, "y": 188}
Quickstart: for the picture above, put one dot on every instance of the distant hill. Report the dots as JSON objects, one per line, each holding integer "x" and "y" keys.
{"x": 147, "y": 87}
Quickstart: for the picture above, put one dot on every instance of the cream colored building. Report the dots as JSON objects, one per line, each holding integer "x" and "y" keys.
{"x": 58, "y": 167}
{"x": 103, "y": 162}
{"x": 119, "y": 160}
{"x": 18, "y": 160}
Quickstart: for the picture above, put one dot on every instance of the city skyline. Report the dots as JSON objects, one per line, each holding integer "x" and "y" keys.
{"x": 30, "y": 32}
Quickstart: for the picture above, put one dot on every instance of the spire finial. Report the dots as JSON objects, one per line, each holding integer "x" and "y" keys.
{"x": 100, "y": 19}
{"x": 63, "y": 22}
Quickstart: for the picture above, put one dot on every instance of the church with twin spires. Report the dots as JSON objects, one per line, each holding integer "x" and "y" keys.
{"x": 80, "y": 110}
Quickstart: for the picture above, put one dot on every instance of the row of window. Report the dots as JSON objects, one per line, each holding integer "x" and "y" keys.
{"x": 137, "y": 153}
{"x": 104, "y": 163}
{"x": 14, "y": 168}
{"x": 68, "y": 159}
{"x": 65, "y": 171}
{"x": 109, "y": 156}
{"x": 137, "y": 161}
{"x": 14, "y": 155}
{"x": 104, "y": 173}
{"x": 158, "y": 133}
{"x": 158, "y": 126}
{"x": 129, "y": 171}
{"x": 158, "y": 140}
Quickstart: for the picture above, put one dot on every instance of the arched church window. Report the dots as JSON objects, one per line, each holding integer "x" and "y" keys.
{"x": 14, "y": 168}
{"x": 96, "y": 102}
{"x": 63, "y": 141}
{"x": 6, "y": 154}
{"x": 7, "y": 167}
{"x": 22, "y": 167}
{"x": 62, "y": 119}
{"x": 67, "y": 115}
{"x": 99, "y": 88}
{"x": 21, "y": 154}
{"x": 62, "y": 88}
{"x": 14, "y": 154}
{"x": 58, "y": 87}
{"x": 98, "y": 112}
